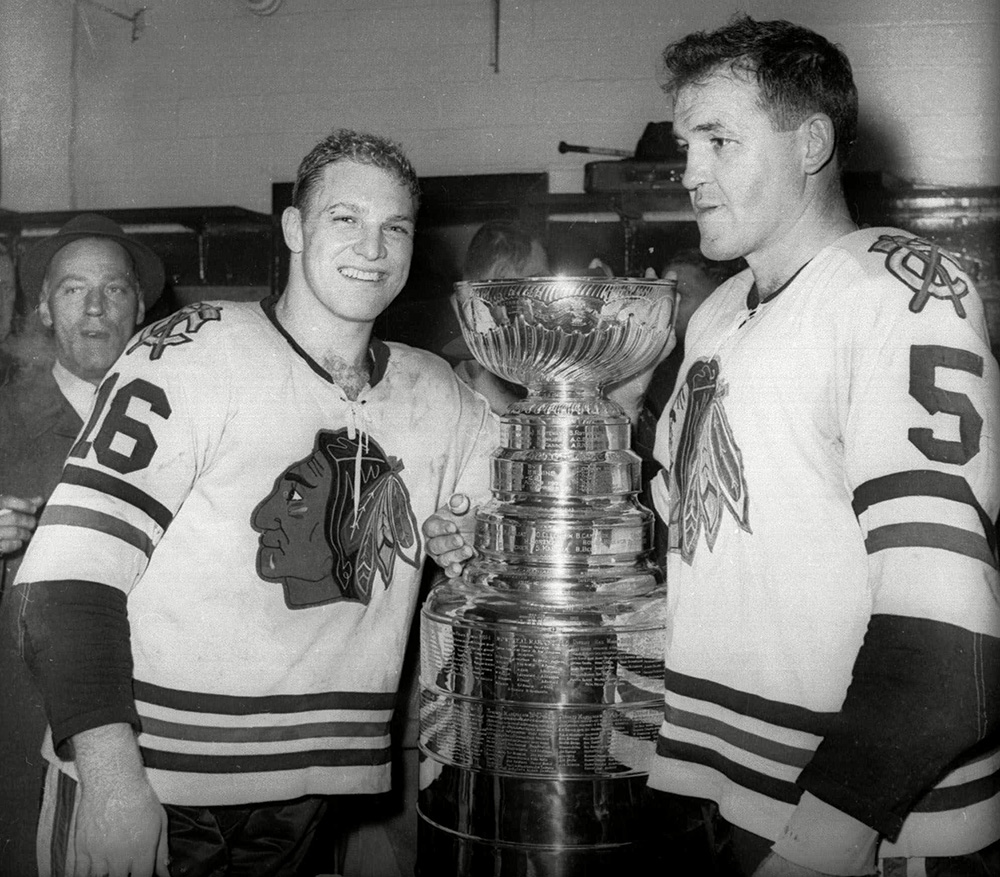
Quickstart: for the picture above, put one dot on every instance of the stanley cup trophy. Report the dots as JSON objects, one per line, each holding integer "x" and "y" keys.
{"x": 541, "y": 678}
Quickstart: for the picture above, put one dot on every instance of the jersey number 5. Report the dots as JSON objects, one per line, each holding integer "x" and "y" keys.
{"x": 924, "y": 360}
{"x": 118, "y": 423}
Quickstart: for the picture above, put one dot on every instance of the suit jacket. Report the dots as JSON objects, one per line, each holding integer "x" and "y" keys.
{"x": 37, "y": 429}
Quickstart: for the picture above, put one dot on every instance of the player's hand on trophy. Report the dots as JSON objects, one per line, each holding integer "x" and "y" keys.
{"x": 631, "y": 392}
{"x": 449, "y": 533}
{"x": 18, "y": 516}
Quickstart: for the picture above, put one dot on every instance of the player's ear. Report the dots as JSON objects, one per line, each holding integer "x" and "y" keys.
{"x": 140, "y": 306}
{"x": 819, "y": 142}
{"x": 291, "y": 228}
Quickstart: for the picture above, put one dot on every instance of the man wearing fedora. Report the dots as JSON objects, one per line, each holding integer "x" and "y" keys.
{"x": 92, "y": 284}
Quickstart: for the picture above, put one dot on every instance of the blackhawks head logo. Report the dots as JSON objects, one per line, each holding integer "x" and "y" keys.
{"x": 335, "y": 523}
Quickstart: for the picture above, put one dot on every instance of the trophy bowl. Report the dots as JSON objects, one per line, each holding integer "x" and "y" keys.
{"x": 566, "y": 330}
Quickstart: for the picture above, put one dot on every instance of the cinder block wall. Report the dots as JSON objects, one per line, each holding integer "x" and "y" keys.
{"x": 212, "y": 103}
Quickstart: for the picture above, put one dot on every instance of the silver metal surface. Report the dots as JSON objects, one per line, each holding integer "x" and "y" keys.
{"x": 550, "y": 333}
{"x": 541, "y": 669}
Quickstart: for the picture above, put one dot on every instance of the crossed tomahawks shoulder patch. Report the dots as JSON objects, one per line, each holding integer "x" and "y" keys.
{"x": 925, "y": 268}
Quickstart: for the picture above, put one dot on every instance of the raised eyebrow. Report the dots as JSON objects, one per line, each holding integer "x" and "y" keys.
{"x": 357, "y": 208}
{"x": 298, "y": 479}
{"x": 71, "y": 278}
{"x": 713, "y": 127}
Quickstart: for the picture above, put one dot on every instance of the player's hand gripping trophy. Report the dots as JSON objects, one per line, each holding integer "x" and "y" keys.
{"x": 541, "y": 670}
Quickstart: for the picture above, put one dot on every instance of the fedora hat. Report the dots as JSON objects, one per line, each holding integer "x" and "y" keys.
{"x": 35, "y": 262}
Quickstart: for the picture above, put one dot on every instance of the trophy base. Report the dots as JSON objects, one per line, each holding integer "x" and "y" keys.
{"x": 564, "y": 828}
{"x": 540, "y": 703}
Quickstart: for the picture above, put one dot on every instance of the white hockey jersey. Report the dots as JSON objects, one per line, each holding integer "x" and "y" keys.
{"x": 830, "y": 486}
{"x": 267, "y": 532}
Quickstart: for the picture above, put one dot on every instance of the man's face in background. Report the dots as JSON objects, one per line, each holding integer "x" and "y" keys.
{"x": 92, "y": 302}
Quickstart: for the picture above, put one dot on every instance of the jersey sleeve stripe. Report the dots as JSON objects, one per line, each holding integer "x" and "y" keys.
{"x": 261, "y": 734}
{"x": 75, "y": 516}
{"x": 225, "y": 704}
{"x": 128, "y": 493}
{"x": 786, "y": 715}
{"x": 776, "y": 789}
{"x": 739, "y": 737}
{"x": 158, "y": 759}
{"x": 922, "y": 482}
{"x": 923, "y": 535}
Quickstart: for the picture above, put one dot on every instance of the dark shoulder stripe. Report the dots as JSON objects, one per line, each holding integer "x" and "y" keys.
{"x": 753, "y": 743}
{"x": 75, "y": 516}
{"x": 229, "y": 705}
{"x": 778, "y": 790}
{"x": 922, "y": 482}
{"x": 785, "y": 715}
{"x": 261, "y": 734}
{"x": 158, "y": 759}
{"x": 920, "y": 535}
{"x": 119, "y": 489}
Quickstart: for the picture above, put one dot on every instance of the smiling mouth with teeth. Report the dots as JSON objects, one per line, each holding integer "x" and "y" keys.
{"x": 359, "y": 274}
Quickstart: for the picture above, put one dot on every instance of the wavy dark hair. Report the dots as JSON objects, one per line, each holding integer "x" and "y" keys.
{"x": 797, "y": 71}
{"x": 499, "y": 248}
{"x": 364, "y": 148}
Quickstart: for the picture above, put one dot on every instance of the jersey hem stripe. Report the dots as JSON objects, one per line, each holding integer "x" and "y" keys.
{"x": 785, "y": 715}
{"x": 239, "y": 705}
{"x": 960, "y": 796}
{"x": 269, "y": 734}
{"x": 158, "y": 759}
{"x": 739, "y": 738}
{"x": 752, "y": 780}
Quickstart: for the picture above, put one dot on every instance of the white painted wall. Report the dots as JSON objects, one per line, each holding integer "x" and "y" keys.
{"x": 212, "y": 103}
{"x": 35, "y": 104}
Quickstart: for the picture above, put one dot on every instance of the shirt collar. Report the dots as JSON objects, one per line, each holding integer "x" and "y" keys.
{"x": 78, "y": 392}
